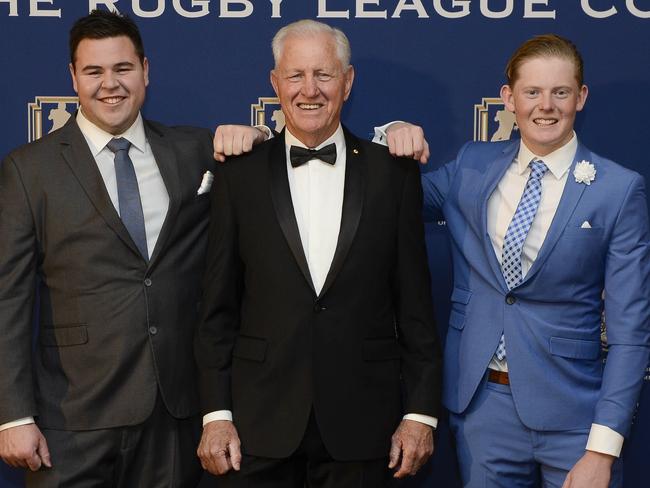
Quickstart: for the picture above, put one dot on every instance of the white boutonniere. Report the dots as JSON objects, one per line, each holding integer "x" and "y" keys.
{"x": 584, "y": 172}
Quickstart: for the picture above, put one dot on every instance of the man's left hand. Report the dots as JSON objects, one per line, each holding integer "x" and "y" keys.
{"x": 593, "y": 470}
{"x": 234, "y": 140}
{"x": 411, "y": 446}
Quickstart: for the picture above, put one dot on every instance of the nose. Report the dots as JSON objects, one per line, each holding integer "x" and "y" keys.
{"x": 546, "y": 101}
{"x": 109, "y": 80}
{"x": 309, "y": 87}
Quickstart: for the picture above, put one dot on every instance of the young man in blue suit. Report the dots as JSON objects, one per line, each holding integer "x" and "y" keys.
{"x": 540, "y": 228}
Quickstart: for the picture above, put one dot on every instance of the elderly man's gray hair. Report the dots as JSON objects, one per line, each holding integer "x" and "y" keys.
{"x": 308, "y": 27}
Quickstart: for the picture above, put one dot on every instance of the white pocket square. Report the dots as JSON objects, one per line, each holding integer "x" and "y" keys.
{"x": 585, "y": 225}
{"x": 206, "y": 183}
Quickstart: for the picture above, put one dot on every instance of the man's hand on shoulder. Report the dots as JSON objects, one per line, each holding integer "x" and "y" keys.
{"x": 24, "y": 447}
{"x": 411, "y": 446}
{"x": 219, "y": 449}
{"x": 593, "y": 470}
{"x": 407, "y": 140}
{"x": 234, "y": 140}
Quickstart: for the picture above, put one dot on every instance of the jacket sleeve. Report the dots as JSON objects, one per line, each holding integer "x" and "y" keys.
{"x": 18, "y": 261}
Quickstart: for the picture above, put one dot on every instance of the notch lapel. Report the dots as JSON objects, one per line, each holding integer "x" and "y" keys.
{"x": 493, "y": 176}
{"x": 353, "y": 196}
{"x": 77, "y": 155}
{"x": 570, "y": 198}
{"x": 283, "y": 205}
{"x": 167, "y": 164}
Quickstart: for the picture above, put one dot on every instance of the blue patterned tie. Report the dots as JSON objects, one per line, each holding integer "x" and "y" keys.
{"x": 513, "y": 242}
{"x": 128, "y": 194}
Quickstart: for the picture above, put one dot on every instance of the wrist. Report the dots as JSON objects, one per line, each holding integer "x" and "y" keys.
{"x": 601, "y": 458}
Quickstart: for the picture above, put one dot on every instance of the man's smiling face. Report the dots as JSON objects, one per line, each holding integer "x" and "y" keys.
{"x": 111, "y": 82}
{"x": 545, "y": 97}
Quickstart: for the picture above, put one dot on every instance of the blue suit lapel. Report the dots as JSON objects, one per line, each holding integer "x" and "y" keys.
{"x": 493, "y": 175}
{"x": 570, "y": 197}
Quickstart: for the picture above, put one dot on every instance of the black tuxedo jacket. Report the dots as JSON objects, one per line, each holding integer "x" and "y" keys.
{"x": 362, "y": 353}
{"x": 114, "y": 329}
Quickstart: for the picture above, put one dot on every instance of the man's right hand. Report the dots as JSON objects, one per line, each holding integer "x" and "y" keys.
{"x": 233, "y": 140}
{"x": 219, "y": 449}
{"x": 24, "y": 447}
{"x": 407, "y": 140}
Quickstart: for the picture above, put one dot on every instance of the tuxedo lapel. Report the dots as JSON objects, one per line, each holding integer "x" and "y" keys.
{"x": 168, "y": 167}
{"x": 570, "y": 197}
{"x": 493, "y": 176}
{"x": 353, "y": 195}
{"x": 281, "y": 196}
{"x": 77, "y": 155}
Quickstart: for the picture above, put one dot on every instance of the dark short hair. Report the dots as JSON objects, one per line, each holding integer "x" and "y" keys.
{"x": 101, "y": 24}
{"x": 545, "y": 46}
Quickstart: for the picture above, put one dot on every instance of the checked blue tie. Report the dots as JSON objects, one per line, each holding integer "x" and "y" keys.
{"x": 513, "y": 242}
{"x": 128, "y": 194}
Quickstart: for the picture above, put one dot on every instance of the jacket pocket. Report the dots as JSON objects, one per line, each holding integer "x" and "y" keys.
{"x": 381, "y": 349}
{"x": 459, "y": 300}
{"x": 574, "y": 348}
{"x": 251, "y": 348}
{"x": 63, "y": 335}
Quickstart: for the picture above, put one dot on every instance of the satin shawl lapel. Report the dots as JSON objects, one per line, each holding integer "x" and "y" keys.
{"x": 353, "y": 196}
{"x": 570, "y": 198}
{"x": 167, "y": 163}
{"x": 493, "y": 176}
{"x": 77, "y": 155}
{"x": 281, "y": 196}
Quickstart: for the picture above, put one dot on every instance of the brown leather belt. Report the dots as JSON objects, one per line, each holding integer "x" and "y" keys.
{"x": 500, "y": 377}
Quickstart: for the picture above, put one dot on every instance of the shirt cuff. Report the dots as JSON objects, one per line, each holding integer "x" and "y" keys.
{"x": 380, "y": 133}
{"x": 17, "y": 423}
{"x": 217, "y": 415}
{"x": 604, "y": 440}
{"x": 266, "y": 129}
{"x": 423, "y": 419}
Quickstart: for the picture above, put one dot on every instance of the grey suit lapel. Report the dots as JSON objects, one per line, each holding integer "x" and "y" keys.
{"x": 168, "y": 166}
{"x": 77, "y": 155}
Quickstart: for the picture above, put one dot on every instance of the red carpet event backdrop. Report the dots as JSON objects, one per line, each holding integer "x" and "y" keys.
{"x": 438, "y": 63}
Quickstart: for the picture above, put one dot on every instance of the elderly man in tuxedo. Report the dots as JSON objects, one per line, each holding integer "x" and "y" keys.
{"x": 545, "y": 234}
{"x": 104, "y": 232}
{"x": 317, "y": 349}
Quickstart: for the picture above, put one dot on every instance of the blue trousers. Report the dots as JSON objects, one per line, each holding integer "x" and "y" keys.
{"x": 496, "y": 450}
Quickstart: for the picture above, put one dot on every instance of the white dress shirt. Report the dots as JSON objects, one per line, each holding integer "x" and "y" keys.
{"x": 153, "y": 193}
{"x": 317, "y": 195}
{"x": 501, "y": 207}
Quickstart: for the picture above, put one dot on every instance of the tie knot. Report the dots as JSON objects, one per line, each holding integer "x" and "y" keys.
{"x": 118, "y": 144}
{"x": 538, "y": 169}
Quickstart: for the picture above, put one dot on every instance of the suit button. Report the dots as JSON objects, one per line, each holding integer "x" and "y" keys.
{"x": 510, "y": 299}
{"x": 153, "y": 330}
{"x": 147, "y": 282}
{"x": 318, "y": 307}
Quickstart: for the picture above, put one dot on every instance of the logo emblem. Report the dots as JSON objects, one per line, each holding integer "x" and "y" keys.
{"x": 267, "y": 109}
{"x": 55, "y": 110}
{"x": 492, "y": 122}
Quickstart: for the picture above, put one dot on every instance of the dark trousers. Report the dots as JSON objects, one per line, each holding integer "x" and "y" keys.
{"x": 160, "y": 452}
{"x": 310, "y": 466}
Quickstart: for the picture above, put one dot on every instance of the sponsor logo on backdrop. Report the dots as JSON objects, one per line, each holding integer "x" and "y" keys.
{"x": 267, "y": 112}
{"x": 492, "y": 122}
{"x": 47, "y": 114}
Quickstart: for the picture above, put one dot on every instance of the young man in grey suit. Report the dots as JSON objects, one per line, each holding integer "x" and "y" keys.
{"x": 105, "y": 233}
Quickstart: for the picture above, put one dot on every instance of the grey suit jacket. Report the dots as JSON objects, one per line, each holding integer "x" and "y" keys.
{"x": 113, "y": 329}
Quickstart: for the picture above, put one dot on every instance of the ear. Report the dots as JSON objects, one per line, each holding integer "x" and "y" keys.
{"x": 508, "y": 98}
{"x": 74, "y": 77}
{"x": 145, "y": 67}
{"x": 582, "y": 98}
{"x": 274, "y": 82}
{"x": 349, "y": 79}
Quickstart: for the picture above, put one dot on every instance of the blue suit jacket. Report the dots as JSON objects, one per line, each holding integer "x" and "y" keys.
{"x": 552, "y": 320}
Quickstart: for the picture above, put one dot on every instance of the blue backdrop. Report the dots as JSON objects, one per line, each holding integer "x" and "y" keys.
{"x": 435, "y": 62}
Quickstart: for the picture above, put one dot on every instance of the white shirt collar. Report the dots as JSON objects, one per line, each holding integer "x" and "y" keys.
{"x": 337, "y": 138}
{"x": 98, "y": 138}
{"x": 558, "y": 162}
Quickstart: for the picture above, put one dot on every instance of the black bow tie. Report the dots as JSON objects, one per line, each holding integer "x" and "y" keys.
{"x": 300, "y": 155}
